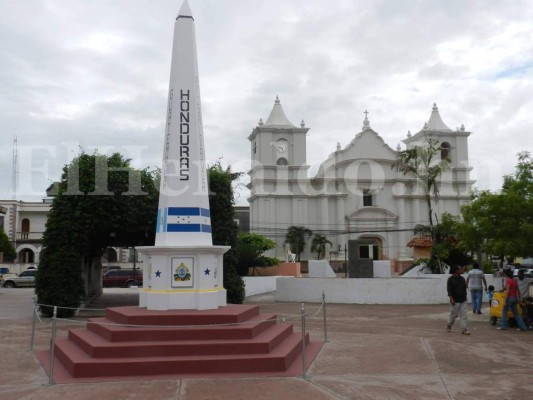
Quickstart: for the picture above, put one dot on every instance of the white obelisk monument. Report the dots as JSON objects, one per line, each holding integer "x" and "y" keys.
{"x": 183, "y": 270}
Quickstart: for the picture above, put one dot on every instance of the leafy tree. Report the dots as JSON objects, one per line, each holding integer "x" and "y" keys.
{"x": 471, "y": 231}
{"x": 250, "y": 248}
{"x": 96, "y": 196}
{"x": 9, "y": 252}
{"x": 318, "y": 245}
{"x": 449, "y": 248}
{"x": 224, "y": 228}
{"x": 517, "y": 190}
{"x": 297, "y": 237}
{"x": 502, "y": 223}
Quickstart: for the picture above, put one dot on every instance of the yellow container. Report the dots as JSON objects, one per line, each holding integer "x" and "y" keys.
{"x": 496, "y": 307}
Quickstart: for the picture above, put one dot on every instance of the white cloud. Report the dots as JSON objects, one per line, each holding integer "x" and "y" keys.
{"x": 96, "y": 74}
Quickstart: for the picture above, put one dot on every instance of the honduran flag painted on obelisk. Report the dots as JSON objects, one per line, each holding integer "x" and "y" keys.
{"x": 183, "y": 217}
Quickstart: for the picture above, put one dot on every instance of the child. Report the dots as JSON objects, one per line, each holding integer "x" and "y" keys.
{"x": 490, "y": 294}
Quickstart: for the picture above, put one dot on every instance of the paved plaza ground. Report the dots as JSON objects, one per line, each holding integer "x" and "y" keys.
{"x": 373, "y": 352}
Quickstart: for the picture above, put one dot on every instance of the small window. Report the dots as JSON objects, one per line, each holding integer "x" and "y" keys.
{"x": 367, "y": 198}
{"x": 369, "y": 251}
{"x": 282, "y": 161}
{"x": 364, "y": 251}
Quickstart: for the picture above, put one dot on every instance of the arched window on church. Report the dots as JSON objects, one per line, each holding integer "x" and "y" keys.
{"x": 282, "y": 161}
{"x": 445, "y": 153}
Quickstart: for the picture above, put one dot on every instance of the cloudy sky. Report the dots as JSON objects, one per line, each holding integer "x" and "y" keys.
{"x": 86, "y": 74}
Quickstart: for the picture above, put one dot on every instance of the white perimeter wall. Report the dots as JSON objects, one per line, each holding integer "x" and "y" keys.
{"x": 423, "y": 290}
{"x": 259, "y": 284}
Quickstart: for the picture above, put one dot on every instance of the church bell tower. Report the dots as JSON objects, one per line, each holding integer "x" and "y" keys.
{"x": 278, "y": 153}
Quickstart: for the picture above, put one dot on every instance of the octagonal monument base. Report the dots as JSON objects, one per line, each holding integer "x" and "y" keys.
{"x": 183, "y": 278}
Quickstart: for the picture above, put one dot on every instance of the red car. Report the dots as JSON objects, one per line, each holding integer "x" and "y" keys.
{"x": 123, "y": 278}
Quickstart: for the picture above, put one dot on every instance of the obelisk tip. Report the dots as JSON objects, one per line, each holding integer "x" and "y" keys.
{"x": 185, "y": 10}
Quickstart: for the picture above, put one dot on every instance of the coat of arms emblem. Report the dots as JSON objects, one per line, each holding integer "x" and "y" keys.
{"x": 182, "y": 273}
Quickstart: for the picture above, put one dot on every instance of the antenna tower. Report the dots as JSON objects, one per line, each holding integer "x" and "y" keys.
{"x": 15, "y": 165}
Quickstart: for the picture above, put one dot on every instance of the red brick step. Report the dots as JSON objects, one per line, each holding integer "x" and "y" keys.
{"x": 232, "y": 313}
{"x": 115, "y": 332}
{"x": 80, "y": 364}
{"x": 96, "y": 346}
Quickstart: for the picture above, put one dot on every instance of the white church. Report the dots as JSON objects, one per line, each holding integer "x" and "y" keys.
{"x": 355, "y": 193}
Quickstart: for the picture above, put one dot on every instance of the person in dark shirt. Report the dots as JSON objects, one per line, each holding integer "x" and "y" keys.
{"x": 457, "y": 293}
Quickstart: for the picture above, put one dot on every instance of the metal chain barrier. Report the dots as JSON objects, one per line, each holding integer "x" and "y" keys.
{"x": 52, "y": 348}
{"x": 321, "y": 309}
{"x": 304, "y": 354}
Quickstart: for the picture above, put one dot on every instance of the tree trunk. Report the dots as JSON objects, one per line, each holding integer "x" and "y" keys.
{"x": 479, "y": 256}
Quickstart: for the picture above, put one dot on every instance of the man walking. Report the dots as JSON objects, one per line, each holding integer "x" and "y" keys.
{"x": 475, "y": 283}
{"x": 457, "y": 293}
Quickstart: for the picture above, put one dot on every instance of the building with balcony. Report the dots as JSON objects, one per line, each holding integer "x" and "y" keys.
{"x": 24, "y": 223}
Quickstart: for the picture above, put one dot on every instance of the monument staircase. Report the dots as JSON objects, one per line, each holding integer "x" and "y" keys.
{"x": 135, "y": 342}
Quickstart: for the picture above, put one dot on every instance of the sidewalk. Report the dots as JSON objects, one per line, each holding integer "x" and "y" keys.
{"x": 373, "y": 352}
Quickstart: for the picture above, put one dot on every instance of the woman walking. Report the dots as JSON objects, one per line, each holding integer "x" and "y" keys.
{"x": 511, "y": 300}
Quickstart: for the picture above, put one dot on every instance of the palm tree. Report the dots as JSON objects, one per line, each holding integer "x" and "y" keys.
{"x": 319, "y": 245}
{"x": 296, "y": 237}
{"x": 422, "y": 164}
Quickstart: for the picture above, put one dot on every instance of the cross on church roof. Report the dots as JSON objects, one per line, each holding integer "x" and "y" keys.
{"x": 366, "y": 123}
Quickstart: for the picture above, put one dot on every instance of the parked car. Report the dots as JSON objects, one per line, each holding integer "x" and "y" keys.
{"x": 122, "y": 278}
{"x": 24, "y": 279}
{"x": 5, "y": 273}
{"x": 109, "y": 268}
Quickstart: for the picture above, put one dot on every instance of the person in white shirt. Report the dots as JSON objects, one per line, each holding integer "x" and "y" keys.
{"x": 475, "y": 283}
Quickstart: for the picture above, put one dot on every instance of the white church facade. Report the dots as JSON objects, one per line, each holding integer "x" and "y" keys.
{"x": 356, "y": 193}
